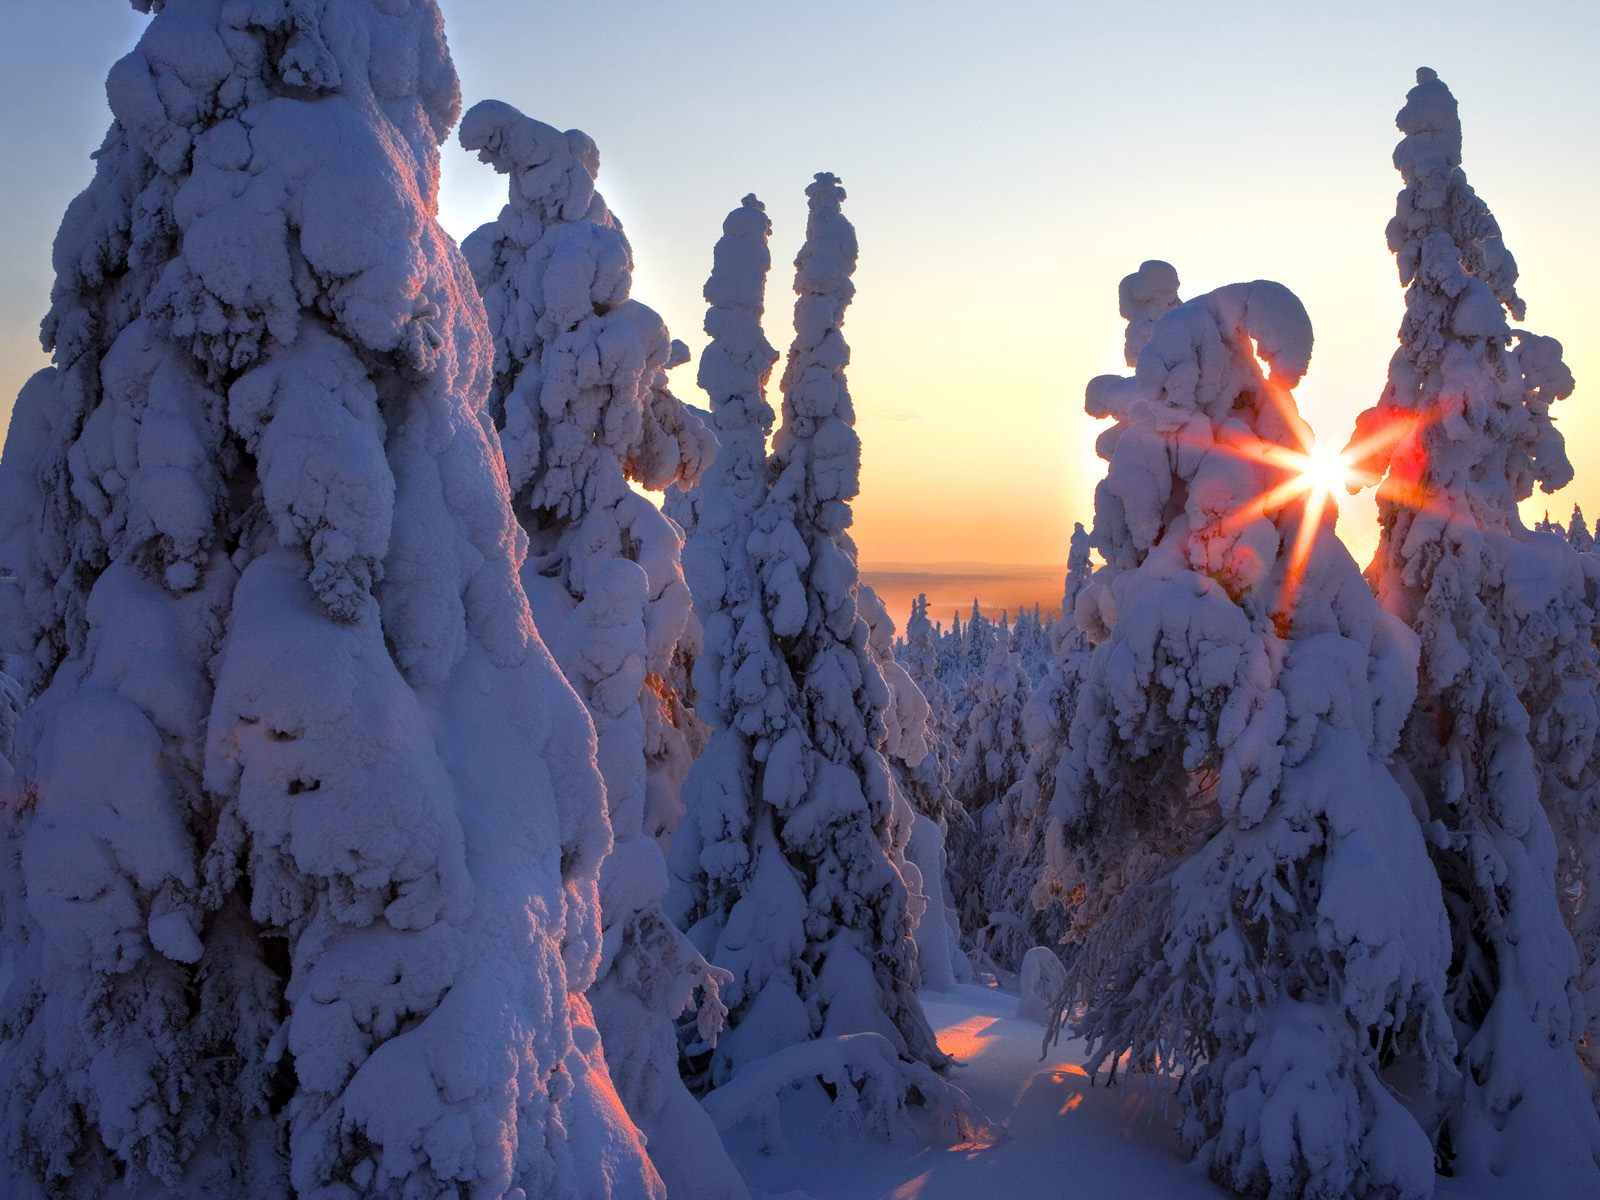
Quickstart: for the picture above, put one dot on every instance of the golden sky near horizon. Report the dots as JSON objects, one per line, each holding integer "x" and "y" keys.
{"x": 1005, "y": 167}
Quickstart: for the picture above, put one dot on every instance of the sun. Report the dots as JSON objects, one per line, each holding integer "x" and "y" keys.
{"x": 1324, "y": 469}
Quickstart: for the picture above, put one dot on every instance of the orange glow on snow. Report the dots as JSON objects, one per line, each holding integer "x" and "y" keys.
{"x": 966, "y": 1039}
{"x": 1072, "y": 1102}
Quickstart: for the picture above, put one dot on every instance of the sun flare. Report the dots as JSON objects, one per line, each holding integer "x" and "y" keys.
{"x": 1325, "y": 470}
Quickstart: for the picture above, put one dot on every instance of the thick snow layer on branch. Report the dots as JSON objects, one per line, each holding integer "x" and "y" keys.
{"x": 308, "y": 873}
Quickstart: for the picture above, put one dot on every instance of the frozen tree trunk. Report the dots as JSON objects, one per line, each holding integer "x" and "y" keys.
{"x": 1502, "y": 744}
{"x": 581, "y": 398}
{"x": 1268, "y": 924}
{"x": 309, "y": 860}
{"x": 791, "y": 854}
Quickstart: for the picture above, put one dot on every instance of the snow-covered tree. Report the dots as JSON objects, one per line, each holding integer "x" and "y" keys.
{"x": 918, "y": 652}
{"x": 1273, "y": 930}
{"x": 742, "y": 683}
{"x": 580, "y": 395}
{"x": 309, "y": 857}
{"x": 917, "y": 841}
{"x": 790, "y": 876}
{"x": 581, "y": 399}
{"x": 993, "y": 750}
{"x": 1506, "y": 714}
{"x": 922, "y": 652}
{"x": 1025, "y": 902}
{"x": 993, "y": 756}
{"x": 1578, "y": 532}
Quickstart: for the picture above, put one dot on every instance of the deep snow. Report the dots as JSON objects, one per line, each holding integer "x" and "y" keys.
{"x": 1060, "y": 1136}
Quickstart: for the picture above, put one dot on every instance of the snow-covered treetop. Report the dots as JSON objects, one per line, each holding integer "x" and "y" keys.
{"x": 1478, "y": 394}
{"x": 1079, "y": 569}
{"x": 738, "y": 361}
{"x": 817, "y": 452}
{"x": 579, "y": 366}
{"x": 1202, "y": 370}
{"x": 1143, "y": 298}
{"x": 734, "y": 371}
{"x": 229, "y": 221}
{"x": 1578, "y": 534}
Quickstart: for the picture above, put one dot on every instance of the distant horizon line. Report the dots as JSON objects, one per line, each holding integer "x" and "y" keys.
{"x": 965, "y": 564}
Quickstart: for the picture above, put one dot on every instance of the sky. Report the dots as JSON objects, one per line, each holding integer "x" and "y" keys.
{"x": 1007, "y": 163}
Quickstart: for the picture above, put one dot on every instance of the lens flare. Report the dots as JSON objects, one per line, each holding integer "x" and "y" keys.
{"x": 1325, "y": 469}
{"x": 1306, "y": 478}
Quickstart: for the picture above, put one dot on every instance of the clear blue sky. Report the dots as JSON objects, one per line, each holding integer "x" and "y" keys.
{"x": 1007, "y": 163}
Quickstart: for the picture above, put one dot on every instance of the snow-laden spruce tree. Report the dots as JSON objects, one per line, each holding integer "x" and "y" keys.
{"x": 1578, "y": 532}
{"x": 1274, "y": 933}
{"x": 1025, "y": 902}
{"x": 1506, "y": 716}
{"x": 993, "y": 756}
{"x": 309, "y": 856}
{"x": 919, "y": 653}
{"x": 581, "y": 398}
{"x": 917, "y": 843}
{"x": 742, "y": 685}
{"x": 787, "y": 853}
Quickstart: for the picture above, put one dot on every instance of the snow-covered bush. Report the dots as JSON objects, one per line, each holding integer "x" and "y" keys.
{"x": 581, "y": 398}
{"x": 786, "y": 859}
{"x": 1271, "y": 927}
{"x": 309, "y": 859}
{"x": 1506, "y": 715}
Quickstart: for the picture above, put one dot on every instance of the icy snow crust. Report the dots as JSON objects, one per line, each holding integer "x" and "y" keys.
{"x": 1263, "y": 917}
{"x": 1506, "y": 716}
{"x": 308, "y": 861}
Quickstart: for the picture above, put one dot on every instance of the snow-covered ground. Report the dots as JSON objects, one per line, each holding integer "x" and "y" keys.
{"x": 1060, "y": 1136}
